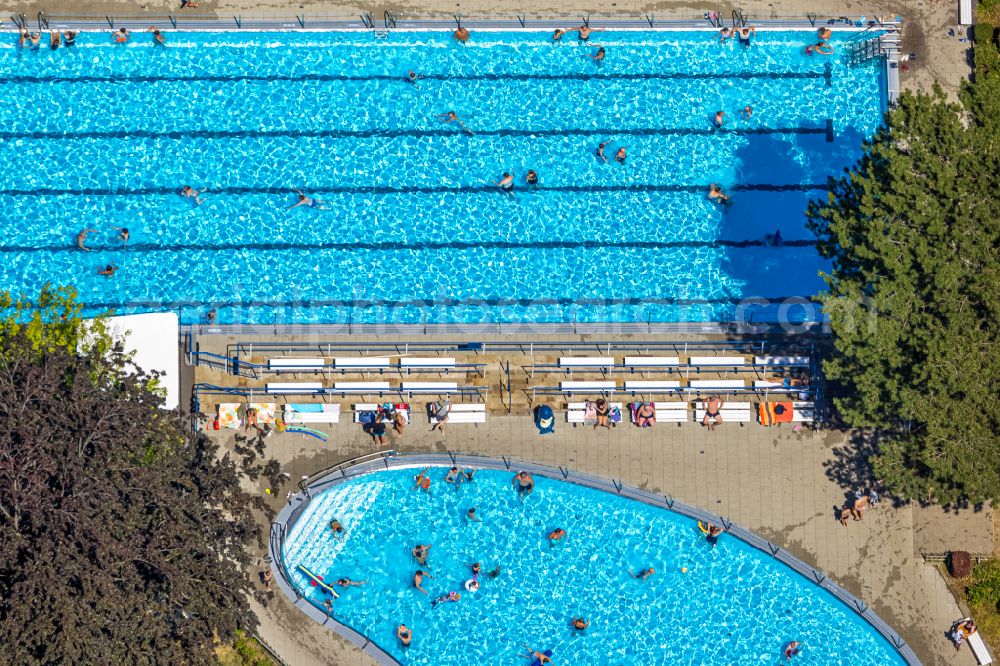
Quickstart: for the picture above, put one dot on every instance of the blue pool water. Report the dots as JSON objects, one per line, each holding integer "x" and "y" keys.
{"x": 101, "y": 136}
{"x": 733, "y": 605}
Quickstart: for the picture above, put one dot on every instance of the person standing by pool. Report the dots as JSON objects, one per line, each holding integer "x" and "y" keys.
{"x": 378, "y": 431}
{"x": 81, "y": 239}
{"x": 555, "y": 536}
{"x": 524, "y": 483}
{"x": 418, "y": 579}
{"x": 743, "y": 35}
{"x": 643, "y": 574}
{"x": 192, "y": 193}
{"x": 404, "y": 635}
{"x": 579, "y": 624}
{"x": 420, "y": 553}
{"x": 439, "y": 410}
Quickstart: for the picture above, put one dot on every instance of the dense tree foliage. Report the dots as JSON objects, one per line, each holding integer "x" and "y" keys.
{"x": 123, "y": 537}
{"x": 914, "y": 294}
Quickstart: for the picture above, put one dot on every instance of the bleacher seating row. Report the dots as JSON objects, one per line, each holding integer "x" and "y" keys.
{"x": 368, "y": 388}
{"x": 609, "y": 364}
{"x": 380, "y": 364}
{"x": 679, "y": 412}
{"x": 697, "y": 386}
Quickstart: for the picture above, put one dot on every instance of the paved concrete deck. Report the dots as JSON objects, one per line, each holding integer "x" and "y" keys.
{"x": 782, "y": 484}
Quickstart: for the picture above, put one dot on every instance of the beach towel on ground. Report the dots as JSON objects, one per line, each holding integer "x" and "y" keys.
{"x": 229, "y": 415}
{"x": 266, "y": 411}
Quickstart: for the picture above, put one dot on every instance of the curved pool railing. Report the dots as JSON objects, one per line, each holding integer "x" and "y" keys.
{"x": 363, "y": 465}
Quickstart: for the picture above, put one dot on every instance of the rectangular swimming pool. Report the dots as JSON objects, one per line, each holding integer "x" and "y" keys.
{"x": 407, "y": 226}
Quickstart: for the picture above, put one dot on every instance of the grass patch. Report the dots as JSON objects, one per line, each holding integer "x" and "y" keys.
{"x": 980, "y": 591}
{"x": 244, "y": 651}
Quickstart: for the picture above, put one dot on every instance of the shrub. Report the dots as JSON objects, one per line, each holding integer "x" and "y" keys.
{"x": 985, "y": 589}
{"x": 959, "y": 563}
{"x": 983, "y": 32}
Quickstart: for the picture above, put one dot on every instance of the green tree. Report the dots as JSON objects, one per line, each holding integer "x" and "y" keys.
{"x": 914, "y": 292}
{"x": 124, "y": 538}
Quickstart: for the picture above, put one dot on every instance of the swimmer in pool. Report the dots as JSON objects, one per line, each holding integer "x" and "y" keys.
{"x": 716, "y": 194}
{"x": 412, "y": 77}
{"x": 725, "y": 34}
{"x": 420, "y": 553}
{"x": 451, "y": 597}
{"x": 579, "y": 624}
{"x": 712, "y": 536}
{"x": 556, "y": 535}
{"x": 720, "y": 117}
{"x": 538, "y": 655}
{"x": 452, "y": 475}
{"x": 54, "y": 40}
{"x": 643, "y": 574}
{"x": 620, "y": 155}
{"x": 306, "y": 201}
{"x": 824, "y": 33}
{"x": 418, "y": 579}
{"x": 792, "y": 649}
{"x": 461, "y": 35}
{"x": 506, "y": 184}
{"x": 81, "y": 239}
{"x": 120, "y": 36}
{"x": 495, "y": 573}
{"x": 470, "y": 472}
{"x": 558, "y": 34}
{"x": 471, "y": 516}
{"x": 158, "y": 38}
{"x": 452, "y": 117}
{"x": 69, "y": 37}
{"x": 422, "y": 481}
{"x": 583, "y": 32}
{"x": 524, "y": 483}
{"x": 108, "y": 271}
{"x": 597, "y": 57}
{"x": 747, "y": 111}
{"x": 743, "y": 35}
{"x": 122, "y": 234}
{"x": 822, "y": 48}
{"x": 404, "y": 635}
{"x": 476, "y": 569}
{"x": 192, "y": 193}
{"x": 35, "y": 38}
{"x": 337, "y": 529}
{"x": 600, "y": 151}
{"x": 347, "y": 582}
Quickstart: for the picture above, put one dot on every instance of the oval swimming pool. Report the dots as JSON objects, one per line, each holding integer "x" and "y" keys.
{"x": 728, "y": 604}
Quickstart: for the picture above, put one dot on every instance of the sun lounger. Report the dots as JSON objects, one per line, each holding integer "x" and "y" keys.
{"x": 379, "y": 363}
{"x": 228, "y": 415}
{"x": 294, "y": 387}
{"x": 654, "y": 362}
{"x": 782, "y": 361}
{"x": 651, "y": 386}
{"x": 465, "y": 412}
{"x": 578, "y": 412}
{"x": 593, "y": 387}
{"x": 362, "y": 407}
{"x": 734, "y": 412}
{"x": 266, "y": 411}
{"x": 311, "y": 413}
{"x": 296, "y": 364}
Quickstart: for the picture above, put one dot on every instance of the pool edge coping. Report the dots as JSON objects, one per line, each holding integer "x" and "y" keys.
{"x": 387, "y": 460}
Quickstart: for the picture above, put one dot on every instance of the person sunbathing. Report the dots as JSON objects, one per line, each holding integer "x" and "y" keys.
{"x": 645, "y": 416}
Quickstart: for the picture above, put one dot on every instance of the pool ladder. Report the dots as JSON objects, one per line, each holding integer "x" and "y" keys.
{"x": 886, "y": 44}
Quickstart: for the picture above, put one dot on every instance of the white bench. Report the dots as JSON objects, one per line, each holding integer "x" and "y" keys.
{"x": 330, "y": 414}
{"x": 434, "y": 362}
{"x": 782, "y": 361}
{"x": 652, "y": 386}
{"x": 362, "y": 362}
{"x": 294, "y": 387}
{"x": 577, "y": 411}
{"x": 651, "y": 362}
{"x": 671, "y": 412}
{"x": 598, "y": 386}
{"x": 361, "y": 387}
{"x": 586, "y": 362}
{"x": 373, "y": 407}
{"x": 465, "y": 412}
{"x": 717, "y": 384}
{"x": 725, "y": 361}
{"x": 293, "y": 364}
{"x": 768, "y": 384}
{"x": 979, "y": 649}
{"x": 734, "y": 412}
{"x": 803, "y": 412}
{"x": 430, "y": 387}
{"x": 965, "y": 18}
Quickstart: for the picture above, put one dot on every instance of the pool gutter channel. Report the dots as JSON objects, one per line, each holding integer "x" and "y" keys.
{"x": 290, "y": 514}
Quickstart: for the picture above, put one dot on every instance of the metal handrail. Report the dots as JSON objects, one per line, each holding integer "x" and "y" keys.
{"x": 350, "y": 462}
